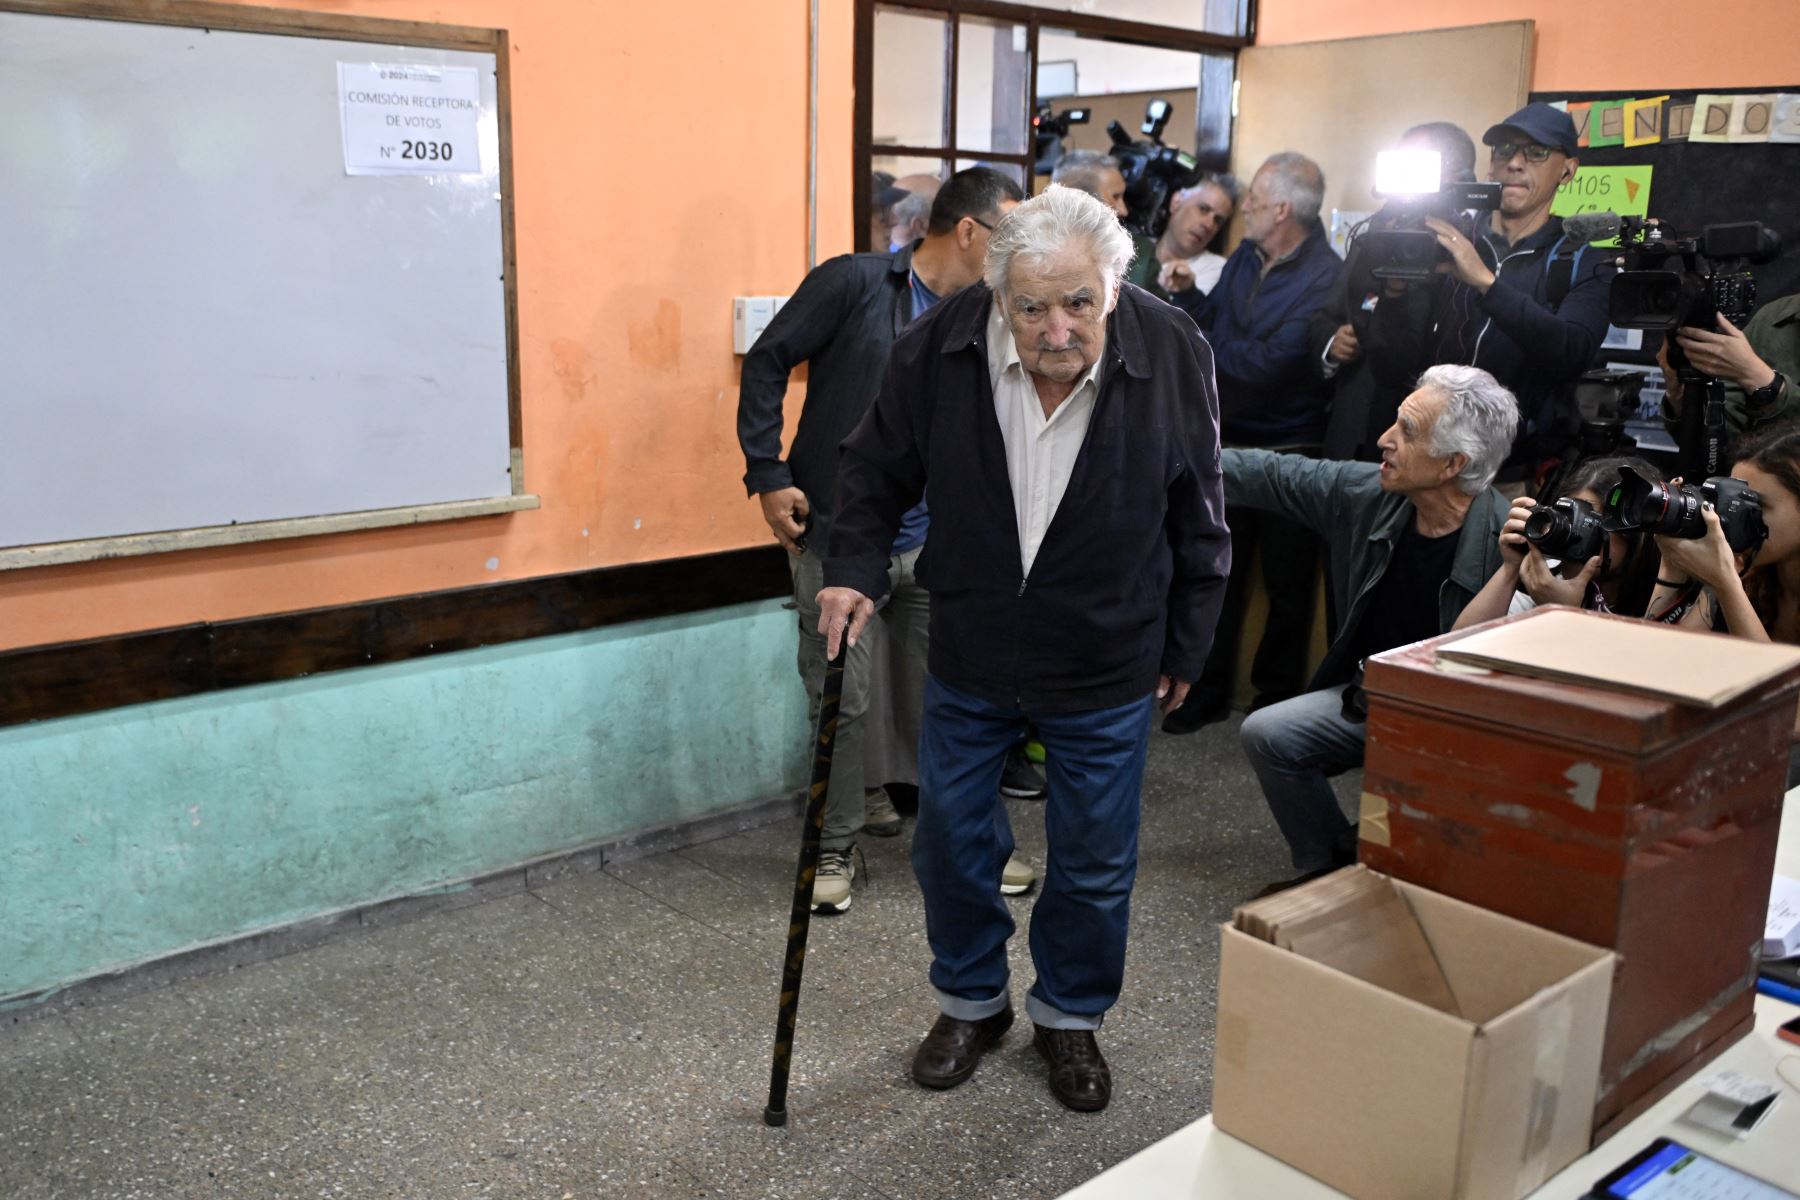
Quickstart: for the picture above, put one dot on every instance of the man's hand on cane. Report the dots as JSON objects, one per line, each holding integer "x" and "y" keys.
{"x": 843, "y": 612}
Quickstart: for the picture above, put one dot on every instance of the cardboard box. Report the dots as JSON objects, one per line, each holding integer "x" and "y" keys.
{"x": 1389, "y": 1098}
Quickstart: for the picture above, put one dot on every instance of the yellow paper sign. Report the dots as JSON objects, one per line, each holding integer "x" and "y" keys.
{"x": 1623, "y": 190}
{"x": 1644, "y": 120}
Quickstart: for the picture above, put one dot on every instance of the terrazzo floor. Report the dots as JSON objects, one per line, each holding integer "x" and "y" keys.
{"x": 608, "y": 1034}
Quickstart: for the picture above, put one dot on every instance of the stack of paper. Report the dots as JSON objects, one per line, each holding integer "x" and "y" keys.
{"x": 1781, "y": 936}
{"x": 1354, "y": 921}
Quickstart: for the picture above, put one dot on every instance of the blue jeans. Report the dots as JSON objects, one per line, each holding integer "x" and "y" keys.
{"x": 1095, "y": 765}
{"x": 1295, "y": 747}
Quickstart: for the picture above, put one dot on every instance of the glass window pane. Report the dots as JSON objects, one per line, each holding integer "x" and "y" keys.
{"x": 1012, "y": 170}
{"x": 991, "y": 74}
{"x": 1117, "y": 82}
{"x": 906, "y": 219}
{"x": 909, "y": 94}
{"x": 901, "y": 167}
{"x": 1206, "y": 16}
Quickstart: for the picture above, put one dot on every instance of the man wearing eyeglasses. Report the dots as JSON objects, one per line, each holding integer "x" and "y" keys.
{"x": 1526, "y": 304}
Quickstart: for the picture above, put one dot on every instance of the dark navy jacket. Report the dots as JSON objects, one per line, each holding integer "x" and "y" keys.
{"x": 1514, "y": 334}
{"x": 1129, "y": 578}
{"x": 1258, "y": 325}
{"x": 842, "y": 321}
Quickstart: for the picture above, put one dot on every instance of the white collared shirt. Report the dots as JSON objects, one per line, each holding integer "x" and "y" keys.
{"x": 1040, "y": 452}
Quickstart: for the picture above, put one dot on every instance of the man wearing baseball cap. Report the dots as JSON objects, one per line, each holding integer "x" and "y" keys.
{"x": 1527, "y": 304}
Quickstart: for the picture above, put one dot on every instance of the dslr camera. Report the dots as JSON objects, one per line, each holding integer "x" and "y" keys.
{"x": 1669, "y": 281}
{"x": 1635, "y": 503}
{"x": 1153, "y": 171}
{"x": 1569, "y": 530}
{"x": 1395, "y": 243}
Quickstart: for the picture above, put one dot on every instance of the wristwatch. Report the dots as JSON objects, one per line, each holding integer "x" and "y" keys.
{"x": 1767, "y": 396}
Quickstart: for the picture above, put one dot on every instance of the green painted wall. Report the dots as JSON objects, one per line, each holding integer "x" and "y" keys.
{"x": 139, "y": 832}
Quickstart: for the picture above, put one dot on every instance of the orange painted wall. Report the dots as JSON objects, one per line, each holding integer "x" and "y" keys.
{"x": 1606, "y": 45}
{"x": 659, "y": 159}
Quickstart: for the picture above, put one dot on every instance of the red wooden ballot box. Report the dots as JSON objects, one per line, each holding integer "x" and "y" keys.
{"x": 1631, "y": 822}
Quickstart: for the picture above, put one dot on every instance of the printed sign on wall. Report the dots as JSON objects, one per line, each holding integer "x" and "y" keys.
{"x": 410, "y": 119}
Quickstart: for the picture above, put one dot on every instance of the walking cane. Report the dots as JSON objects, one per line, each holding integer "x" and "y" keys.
{"x": 801, "y": 920}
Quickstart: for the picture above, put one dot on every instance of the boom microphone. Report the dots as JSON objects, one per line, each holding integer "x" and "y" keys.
{"x": 1591, "y": 227}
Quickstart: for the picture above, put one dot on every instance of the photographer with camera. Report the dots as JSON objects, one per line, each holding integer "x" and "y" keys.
{"x": 1369, "y": 378}
{"x": 1741, "y": 543}
{"x": 1410, "y": 543}
{"x": 1561, "y": 553}
{"x": 1256, "y": 320}
{"x": 1182, "y": 267}
{"x": 1760, "y": 365}
{"x": 1526, "y": 303}
{"x": 1736, "y": 541}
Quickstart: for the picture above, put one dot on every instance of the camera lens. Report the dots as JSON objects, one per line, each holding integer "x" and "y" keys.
{"x": 1568, "y": 529}
{"x": 1547, "y": 528}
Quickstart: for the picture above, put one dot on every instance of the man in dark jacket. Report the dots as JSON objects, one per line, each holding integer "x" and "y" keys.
{"x": 1526, "y": 304}
{"x": 1410, "y": 543}
{"x": 1068, "y": 430}
{"x": 1258, "y": 321}
{"x": 842, "y": 320}
{"x": 1368, "y": 380}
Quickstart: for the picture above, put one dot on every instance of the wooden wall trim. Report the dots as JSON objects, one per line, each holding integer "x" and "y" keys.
{"x": 67, "y": 678}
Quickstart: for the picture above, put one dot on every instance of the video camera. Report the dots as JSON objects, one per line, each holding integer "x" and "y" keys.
{"x": 1669, "y": 281}
{"x": 1395, "y": 243}
{"x": 1153, "y": 171}
{"x": 1637, "y": 503}
{"x": 1048, "y": 130}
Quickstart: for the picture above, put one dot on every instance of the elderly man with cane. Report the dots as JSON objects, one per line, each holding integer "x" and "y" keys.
{"x": 1068, "y": 428}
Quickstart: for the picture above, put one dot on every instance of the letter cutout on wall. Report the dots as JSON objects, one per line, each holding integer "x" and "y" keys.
{"x": 1784, "y": 120}
{"x": 1644, "y": 121}
{"x": 1578, "y": 113}
{"x": 1750, "y": 119}
{"x": 1712, "y": 118}
{"x": 1678, "y": 120}
{"x": 1606, "y": 123}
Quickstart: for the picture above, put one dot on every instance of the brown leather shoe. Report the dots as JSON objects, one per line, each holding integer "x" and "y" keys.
{"x": 1079, "y": 1076}
{"x": 953, "y": 1049}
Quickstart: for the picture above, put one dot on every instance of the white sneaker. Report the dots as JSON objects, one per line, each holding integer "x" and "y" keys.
{"x": 1016, "y": 878}
{"x": 831, "y": 883}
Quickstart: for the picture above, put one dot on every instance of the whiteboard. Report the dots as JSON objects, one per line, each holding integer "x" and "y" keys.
{"x": 204, "y": 321}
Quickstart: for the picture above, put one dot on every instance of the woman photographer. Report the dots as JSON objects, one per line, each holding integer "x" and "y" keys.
{"x": 1619, "y": 579}
{"x": 1755, "y": 594}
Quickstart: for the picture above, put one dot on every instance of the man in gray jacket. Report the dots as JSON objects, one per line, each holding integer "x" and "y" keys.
{"x": 1410, "y": 541}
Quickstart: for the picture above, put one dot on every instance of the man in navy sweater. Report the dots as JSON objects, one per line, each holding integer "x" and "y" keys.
{"x": 1067, "y": 426}
{"x": 1258, "y": 321}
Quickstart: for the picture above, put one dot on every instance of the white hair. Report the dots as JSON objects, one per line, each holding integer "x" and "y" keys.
{"x": 1298, "y": 180}
{"x": 1059, "y": 218}
{"x": 1479, "y": 420}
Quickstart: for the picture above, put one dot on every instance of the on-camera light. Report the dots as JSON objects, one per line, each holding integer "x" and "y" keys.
{"x": 1408, "y": 172}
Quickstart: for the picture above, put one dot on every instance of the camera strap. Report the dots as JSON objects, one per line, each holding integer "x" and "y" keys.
{"x": 1678, "y": 609}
